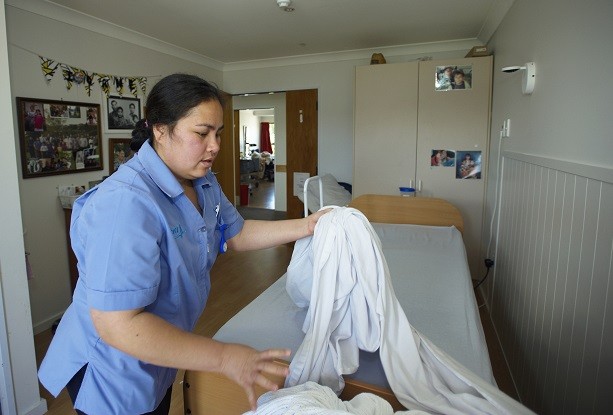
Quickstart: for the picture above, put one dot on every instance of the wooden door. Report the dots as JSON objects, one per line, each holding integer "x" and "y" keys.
{"x": 385, "y": 128}
{"x": 237, "y": 141}
{"x": 301, "y": 142}
{"x": 226, "y": 167}
{"x": 457, "y": 121}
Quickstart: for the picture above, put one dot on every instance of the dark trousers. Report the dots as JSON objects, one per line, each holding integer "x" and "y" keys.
{"x": 75, "y": 384}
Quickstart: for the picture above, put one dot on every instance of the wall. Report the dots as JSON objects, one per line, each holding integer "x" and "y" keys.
{"x": 551, "y": 298}
{"x": 252, "y": 122}
{"x": 550, "y": 292}
{"x": 19, "y": 392}
{"x": 249, "y": 119}
{"x": 334, "y": 80}
{"x": 43, "y": 219}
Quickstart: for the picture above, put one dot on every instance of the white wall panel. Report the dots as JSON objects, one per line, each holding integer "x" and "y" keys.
{"x": 550, "y": 294}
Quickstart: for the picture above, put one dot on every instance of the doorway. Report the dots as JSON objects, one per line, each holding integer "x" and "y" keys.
{"x": 256, "y": 140}
{"x": 295, "y": 133}
{"x": 250, "y": 110}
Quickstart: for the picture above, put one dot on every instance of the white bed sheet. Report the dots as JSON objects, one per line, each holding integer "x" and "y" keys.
{"x": 432, "y": 282}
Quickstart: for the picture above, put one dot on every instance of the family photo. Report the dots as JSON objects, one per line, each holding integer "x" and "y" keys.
{"x": 123, "y": 113}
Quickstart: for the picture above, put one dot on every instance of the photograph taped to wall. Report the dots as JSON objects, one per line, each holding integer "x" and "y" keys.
{"x": 58, "y": 137}
{"x": 442, "y": 158}
{"x": 468, "y": 165}
{"x": 453, "y": 77}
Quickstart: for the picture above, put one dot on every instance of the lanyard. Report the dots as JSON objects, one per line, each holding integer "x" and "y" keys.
{"x": 223, "y": 246}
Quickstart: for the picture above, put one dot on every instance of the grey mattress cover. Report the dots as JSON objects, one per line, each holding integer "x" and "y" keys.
{"x": 432, "y": 282}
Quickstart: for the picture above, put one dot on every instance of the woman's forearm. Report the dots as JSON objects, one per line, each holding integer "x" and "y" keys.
{"x": 258, "y": 234}
{"x": 151, "y": 339}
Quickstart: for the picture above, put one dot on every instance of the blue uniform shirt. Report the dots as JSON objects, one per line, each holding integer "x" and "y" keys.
{"x": 139, "y": 242}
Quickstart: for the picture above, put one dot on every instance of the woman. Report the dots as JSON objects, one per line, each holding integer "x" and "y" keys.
{"x": 146, "y": 239}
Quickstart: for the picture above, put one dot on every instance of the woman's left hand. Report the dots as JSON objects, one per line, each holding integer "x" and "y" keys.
{"x": 247, "y": 367}
{"x": 313, "y": 218}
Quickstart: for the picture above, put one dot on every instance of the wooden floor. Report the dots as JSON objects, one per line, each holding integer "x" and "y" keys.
{"x": 262, "y": 195}
{"x": 236, "y": 279}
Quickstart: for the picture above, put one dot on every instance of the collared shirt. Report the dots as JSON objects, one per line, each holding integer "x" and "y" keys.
{"x": 139, "y": 242}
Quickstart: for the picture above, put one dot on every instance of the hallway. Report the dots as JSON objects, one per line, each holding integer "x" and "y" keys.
{"x": 263, "y": 195}
{"x": 262, "y": 203}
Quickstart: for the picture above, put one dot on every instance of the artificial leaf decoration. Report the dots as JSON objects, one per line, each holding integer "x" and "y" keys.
{"x": 89, "y": 81}
{"x": 118, "y": 84}
{"x": 73, "y": 75}
{"x": 142, "y": 81}
{"x": 133, "y": 86}
{"x": 104, "y": 81}
{"x": 68, "y": 75}
{"x": 48, "y": 66}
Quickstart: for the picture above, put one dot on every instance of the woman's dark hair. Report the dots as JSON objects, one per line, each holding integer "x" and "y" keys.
{"x": 170, "y": 100}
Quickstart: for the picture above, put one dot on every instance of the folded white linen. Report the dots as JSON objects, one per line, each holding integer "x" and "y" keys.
{"x": 341, "y": 275}
{"x": 313, "y": 399}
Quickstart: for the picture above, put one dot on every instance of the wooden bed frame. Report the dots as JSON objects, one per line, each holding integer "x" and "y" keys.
{"x": 212, "y": 393}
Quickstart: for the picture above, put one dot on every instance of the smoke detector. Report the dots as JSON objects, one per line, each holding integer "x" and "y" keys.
{"x": 285, "y": 5}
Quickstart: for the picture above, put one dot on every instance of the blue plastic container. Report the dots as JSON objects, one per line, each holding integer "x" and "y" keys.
{"x": 407, "y": 191}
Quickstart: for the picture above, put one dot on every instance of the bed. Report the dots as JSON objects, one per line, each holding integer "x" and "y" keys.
{"x": 252, "y": 170}
{"x": 423, "y": 235}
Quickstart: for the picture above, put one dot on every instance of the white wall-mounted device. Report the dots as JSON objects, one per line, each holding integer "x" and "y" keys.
{"x": 285, "y": 5}
{"x": 529, "y": 77}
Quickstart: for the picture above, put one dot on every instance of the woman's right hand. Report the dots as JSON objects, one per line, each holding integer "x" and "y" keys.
{"x": 247, "y": 366}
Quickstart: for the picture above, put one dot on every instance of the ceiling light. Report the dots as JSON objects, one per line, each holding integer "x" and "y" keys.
{"x": 529, "y": 76}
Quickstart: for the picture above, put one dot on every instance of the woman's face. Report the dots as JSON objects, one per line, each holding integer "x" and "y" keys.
{"x": 190, "y": 150}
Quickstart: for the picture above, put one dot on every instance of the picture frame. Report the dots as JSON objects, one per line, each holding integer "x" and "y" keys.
{"x": 119, "y": 153}
{"x": 58, "y": 137}
{"x": 122, "y": 113}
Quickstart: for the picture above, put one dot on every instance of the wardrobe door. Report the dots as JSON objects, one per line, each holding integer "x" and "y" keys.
{"x": 456, "y": 120}
{"x": 385, "y": 127}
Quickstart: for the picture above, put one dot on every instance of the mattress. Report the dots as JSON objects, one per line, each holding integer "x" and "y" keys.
{"x": 432, "y": 282}
{"x": 333, "y": 193}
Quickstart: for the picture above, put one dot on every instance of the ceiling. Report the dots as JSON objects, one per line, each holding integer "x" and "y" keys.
{"x": 230, "y": 31}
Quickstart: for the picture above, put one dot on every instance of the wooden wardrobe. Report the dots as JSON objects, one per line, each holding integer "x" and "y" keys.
{"x": 400, "y": 118}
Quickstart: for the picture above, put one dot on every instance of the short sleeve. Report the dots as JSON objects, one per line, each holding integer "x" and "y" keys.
{"x": 118, "y": 235}
{"x": 231, "y": 217}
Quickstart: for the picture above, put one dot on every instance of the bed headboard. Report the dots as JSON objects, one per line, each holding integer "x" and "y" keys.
{"x": 412, "y": 210}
